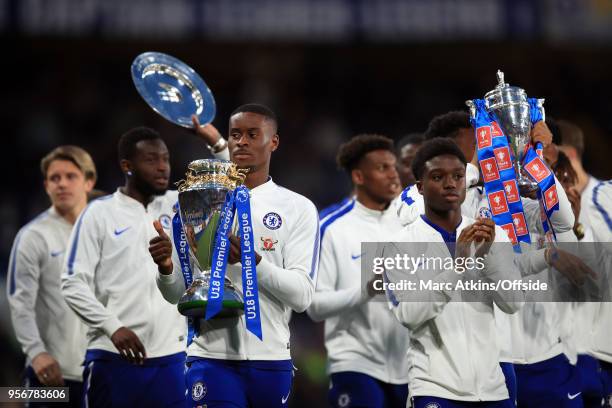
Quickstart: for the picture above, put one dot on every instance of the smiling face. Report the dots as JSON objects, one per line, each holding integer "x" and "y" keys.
{"x": 252, "y": 139}
{"x": 150, "y": 167}
{"x": 66, "y": 185}
{"x": 443, "y": 183}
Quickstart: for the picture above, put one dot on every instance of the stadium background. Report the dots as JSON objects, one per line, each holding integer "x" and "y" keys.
{"x": 329, "y": 69}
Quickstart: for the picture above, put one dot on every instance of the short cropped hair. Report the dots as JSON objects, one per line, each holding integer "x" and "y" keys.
{"x": 409, "y": 139}
{"x": 258, "y": 108}
{"x": 78, "y": 156}
{"x": 350, "y": 153}
{"x": 432, "y": 148}
{"x": 128, "y": 141}
{"x": 553, "y": 126}
{"x": 447, "y": 125}
{"x": 571, "y": 135}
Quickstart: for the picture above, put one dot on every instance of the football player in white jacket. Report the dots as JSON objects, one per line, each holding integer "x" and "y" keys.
{"x": 136, "y": 349}
{"x": 230, "y": 366}
{"x": 366, "y": 346}
{"x": 51, "y": 335}
{"x": 453, "y": 354}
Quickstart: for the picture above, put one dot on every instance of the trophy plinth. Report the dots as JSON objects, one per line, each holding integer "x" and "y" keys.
{"x": 201, "y": 199}
{"x": 194, "y": 301}
{"x": 510, "y": 108}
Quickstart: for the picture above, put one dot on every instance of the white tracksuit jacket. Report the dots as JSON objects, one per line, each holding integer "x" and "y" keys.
{"x": 453, "y": 353}
{"x": 109, "y": 278}
{"x": 361, "y": 333}
{"x": 42, "y": 320}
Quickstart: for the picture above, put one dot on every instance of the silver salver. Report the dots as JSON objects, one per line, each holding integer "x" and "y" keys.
{"x": 173, "y": 89}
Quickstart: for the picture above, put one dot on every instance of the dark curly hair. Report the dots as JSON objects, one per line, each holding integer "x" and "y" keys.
{"x": 432, "y": 148}
{"x": 447, "y": 125}
{"x": 351, "y": 152}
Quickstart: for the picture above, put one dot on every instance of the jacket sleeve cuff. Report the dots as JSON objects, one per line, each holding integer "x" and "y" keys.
{"x": 36, "y": 350}
{"x": 111, "y": 325}
{"x": 167, "y": 279}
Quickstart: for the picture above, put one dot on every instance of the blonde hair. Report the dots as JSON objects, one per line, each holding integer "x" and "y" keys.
{"x": 74, "y": 154}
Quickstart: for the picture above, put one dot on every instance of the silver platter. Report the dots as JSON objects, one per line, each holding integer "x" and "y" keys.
{"x": 173, "y": 89}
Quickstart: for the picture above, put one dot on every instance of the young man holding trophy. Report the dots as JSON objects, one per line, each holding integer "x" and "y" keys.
{"x": 50, "y": 334}
{"x": 136, "y": 350}
{"x": 228, "y": 363}
{"x": 453, "y": 356}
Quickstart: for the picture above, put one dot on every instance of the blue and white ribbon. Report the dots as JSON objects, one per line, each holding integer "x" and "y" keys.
{"x": 250, "y": 290}
{"x": 238, "y": 201}
{"x": 220, "y": 257}
{"x": 182, "y": 249}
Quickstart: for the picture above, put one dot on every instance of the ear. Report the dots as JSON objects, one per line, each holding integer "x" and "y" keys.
{"x": 274, "y": 142}
{"x": 125, "y": 165}
{"x": 419, "y": 185}
{"x": 357, "y": 177}
{"x": 89, "y": 185}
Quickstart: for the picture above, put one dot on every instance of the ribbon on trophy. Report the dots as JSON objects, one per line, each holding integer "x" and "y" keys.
{"x": 537, "y": 168}
{"x": 495, "y": 159}
{"x": 182, "y": 249}
{"x": 239, "y": 201}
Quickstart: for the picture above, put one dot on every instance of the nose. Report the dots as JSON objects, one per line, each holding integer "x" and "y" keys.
{"x": 63, "y": 182}
{"x": 243, "y": 140}
{"x": 163, "y": 165}
{"x": 450, "y": 183}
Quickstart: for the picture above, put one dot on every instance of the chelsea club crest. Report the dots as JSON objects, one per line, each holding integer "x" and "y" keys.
{"x": 198, "y": 391}
{"x": 272, "y": 221}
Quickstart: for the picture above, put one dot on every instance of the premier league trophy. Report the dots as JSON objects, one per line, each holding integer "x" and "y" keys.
{"x": 510, "y": 108}
{"x": 201, "y": 198}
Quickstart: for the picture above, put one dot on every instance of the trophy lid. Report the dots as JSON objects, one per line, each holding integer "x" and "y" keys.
{"x": 212, "y": 172}
{"x": 504, "y": 94}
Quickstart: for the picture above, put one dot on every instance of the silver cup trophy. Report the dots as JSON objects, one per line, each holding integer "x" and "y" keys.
{"x": 201, "y": 198}
{"x": 510, "y": 108}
